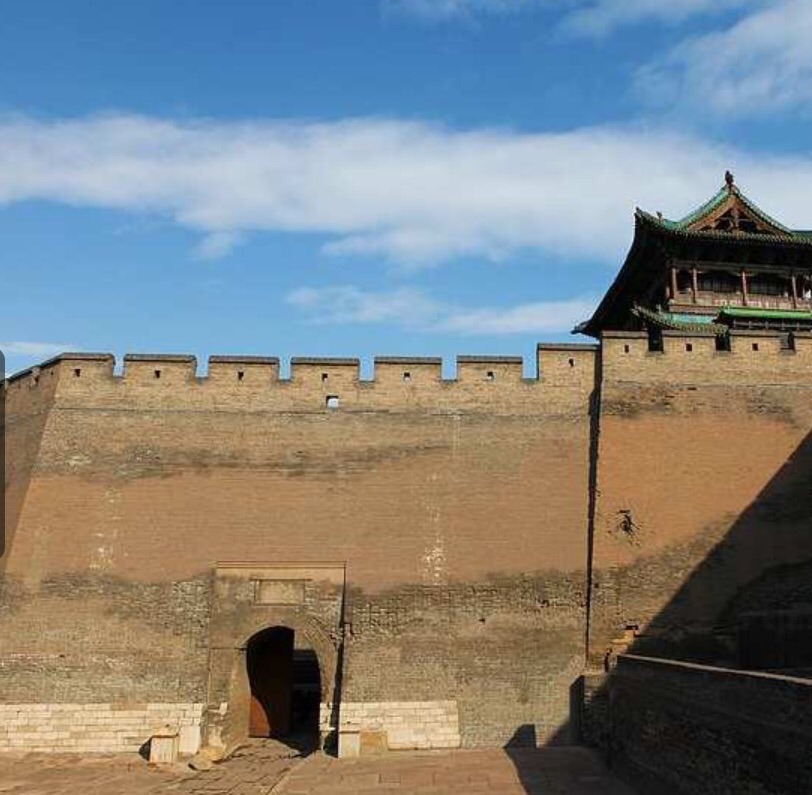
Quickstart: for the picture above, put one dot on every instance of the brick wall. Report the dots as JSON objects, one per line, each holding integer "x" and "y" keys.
{"x": 26, "y": 404}
{"x": 65, "y": 727}
{"x": 458, "y": 507}
{"x": 684, "y": 728}
{"x": 405, "y": 725}
{"x": 703, "y": 487}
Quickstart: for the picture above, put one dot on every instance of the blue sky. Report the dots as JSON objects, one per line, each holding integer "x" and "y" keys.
{"x": 308, "y": 177}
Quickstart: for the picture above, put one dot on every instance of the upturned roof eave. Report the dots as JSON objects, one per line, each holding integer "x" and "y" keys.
{"x": 646, "y": 225}
{"x": 788, "y": 238}
{"x": 590, "y": 327}
{"x": 724, "y": 193}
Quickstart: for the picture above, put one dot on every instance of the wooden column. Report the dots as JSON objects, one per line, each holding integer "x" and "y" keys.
{"x": 673, "y": 283}
{"x": 694, "y": 288}
{"x": 744, "y": 287}
{"x": 794, "y": 283}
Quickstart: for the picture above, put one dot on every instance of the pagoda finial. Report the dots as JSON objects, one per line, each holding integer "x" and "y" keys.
{"x": 729, "y": 180}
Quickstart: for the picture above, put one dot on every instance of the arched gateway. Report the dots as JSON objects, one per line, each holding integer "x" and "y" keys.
{"x": 285, "y": 684}
{"x": 273, "y": 653}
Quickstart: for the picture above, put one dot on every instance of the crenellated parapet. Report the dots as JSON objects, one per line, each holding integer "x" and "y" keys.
{"x": 744, "y": 358}
{"x": 565, "y": 375}
{"x": 564, "y": 378}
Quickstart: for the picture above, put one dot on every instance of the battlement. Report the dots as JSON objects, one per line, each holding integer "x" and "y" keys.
{"x": 254, "y": 382}
{"x": 750, "y": 358}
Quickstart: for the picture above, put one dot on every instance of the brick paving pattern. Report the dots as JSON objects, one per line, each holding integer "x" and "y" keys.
{"x": 564, "y": 771}
{"x": 273, "y": 769}
{"x": 254, "y": 770}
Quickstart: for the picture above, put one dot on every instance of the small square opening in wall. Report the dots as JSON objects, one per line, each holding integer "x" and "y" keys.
{"x": 490, "y": 376}
{"x": 157, "y": 373}
{"x": 77, "y": 372}
{"x": 407, "y": 376}
{"x": 689, "y": 346}
{"x": 572, "y": 362}
{"x": 625, "y": 349}
{"x": 755, "y": 346}
{"x": 324, "y": 378}
{"x": 240, "y": 375}
{"x": 333, "y": 402}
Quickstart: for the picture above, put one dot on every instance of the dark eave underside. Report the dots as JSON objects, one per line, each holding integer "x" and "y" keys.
{"x": 654, "y": 244}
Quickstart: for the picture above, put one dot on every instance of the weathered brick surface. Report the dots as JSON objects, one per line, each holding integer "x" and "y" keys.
{"x": 683, "y": 728}
{"x": 703, "y": 487}
{"x": 459, "y": 509}
{"x": 94, "y": 728}
{"x": 405, "y": 724}
{"x": 461, "y": 512}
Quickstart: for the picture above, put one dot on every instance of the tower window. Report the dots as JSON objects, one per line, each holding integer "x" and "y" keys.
{"x": 333, "y": 401}
{"x": 683, "y": 281}
{"x": 767, "y": 284}
{"x": 407, "y": 376}
{"x": 157, "y": 373}
{"x": 490, "y": 376}
{"x": 718, "y": 282}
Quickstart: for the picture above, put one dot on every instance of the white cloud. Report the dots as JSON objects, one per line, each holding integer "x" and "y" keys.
{"x": 413, "y": 309}
{"x": 590, "y": 17}
{"x": 537, "y": 317}
{"x": 410, "y": 192}
{"x": 598, "y": 17}
{"x": 35, "y": 350}
{"x": 434, "y": 10}
{"x": 758, "y": 62}
{"x": 350, "y": 304}
{"x": 217, "y": 245}
{"x": 759, "y": 65}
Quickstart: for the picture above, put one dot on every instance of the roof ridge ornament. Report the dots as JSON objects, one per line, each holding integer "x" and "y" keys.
{"x": 730, "y": 180}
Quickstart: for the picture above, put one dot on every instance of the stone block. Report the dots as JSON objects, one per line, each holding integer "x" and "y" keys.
{"x": 164, "y": 747}
{"x": 189, "y": 739}
{"x": 349, "y": 743}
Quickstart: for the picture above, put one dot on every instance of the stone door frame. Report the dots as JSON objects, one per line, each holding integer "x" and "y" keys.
{"x": 241, "y": 608}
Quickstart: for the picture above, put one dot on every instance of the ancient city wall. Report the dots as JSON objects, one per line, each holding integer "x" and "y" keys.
{"x": 679, "y": 728}
{"x": 25, "y": 409}
{"x": 459, "y": 509}
{"x": 703, "y": 487}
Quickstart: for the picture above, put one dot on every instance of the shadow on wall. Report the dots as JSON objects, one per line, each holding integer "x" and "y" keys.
{"x": 746, "y": 605}
{"x": 759, "y": 569}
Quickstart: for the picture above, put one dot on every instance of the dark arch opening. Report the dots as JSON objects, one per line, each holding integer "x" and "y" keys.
{"x": 285, "y": 684}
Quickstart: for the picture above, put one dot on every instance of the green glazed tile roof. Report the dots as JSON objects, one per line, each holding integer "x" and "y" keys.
{"x": 803, "y": 237}
{"x": 754, "y": 311}
{"x": 782, "y": 233}
{"x": 680, "y": 322}
{"x": 720, "y": 197}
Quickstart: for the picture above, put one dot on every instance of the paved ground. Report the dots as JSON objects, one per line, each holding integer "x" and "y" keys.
{"x": 272, "y": 769}
{"x": 253, "y": 770}
{"x": 553, "y": 771}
